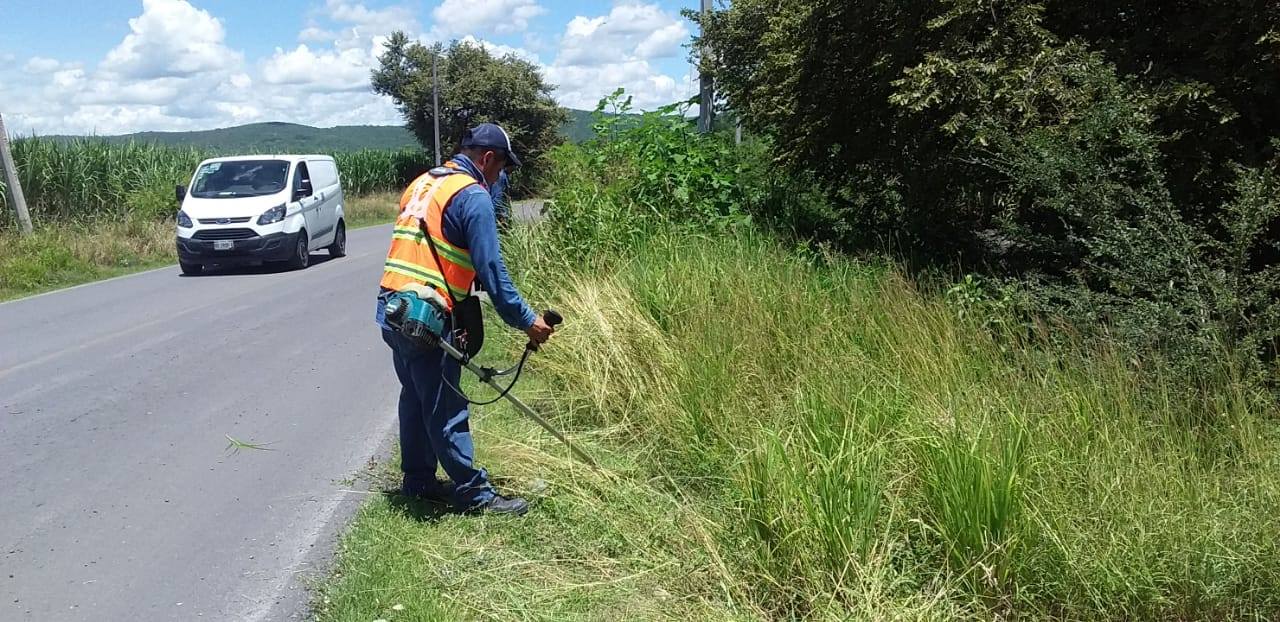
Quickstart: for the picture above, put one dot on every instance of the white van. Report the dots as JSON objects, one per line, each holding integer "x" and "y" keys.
{"x": 267, "y": 208}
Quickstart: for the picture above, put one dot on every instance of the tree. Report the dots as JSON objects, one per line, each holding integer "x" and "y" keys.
{"x": 1106, "y": 146}
{"x": 475, "y": 87}
{"x": 825, "y": 79}
{"x": 1223, "y": 61}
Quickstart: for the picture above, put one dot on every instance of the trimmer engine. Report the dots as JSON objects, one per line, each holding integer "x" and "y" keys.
{"x": 418, "y": 313}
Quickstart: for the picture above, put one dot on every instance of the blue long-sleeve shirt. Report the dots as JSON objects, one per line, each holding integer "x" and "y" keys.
{"x": 469, "y": 223}
{"x": 501, "y": 207}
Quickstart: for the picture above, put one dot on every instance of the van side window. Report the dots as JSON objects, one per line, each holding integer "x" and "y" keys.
{"x": 299, "y": 174}
{"x": 323, "y": 173}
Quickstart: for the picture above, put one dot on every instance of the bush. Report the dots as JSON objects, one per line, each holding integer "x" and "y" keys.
{"x": 642, "y": 171}
{"x": 1096, "y": 152}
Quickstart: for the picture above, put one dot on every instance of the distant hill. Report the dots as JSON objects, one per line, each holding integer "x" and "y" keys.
{"x": 281, "y": 137}
{"x": 578, "y": 128}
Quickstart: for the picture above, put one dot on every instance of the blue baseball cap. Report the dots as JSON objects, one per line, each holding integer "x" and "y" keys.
{"x": 491, "y": 136}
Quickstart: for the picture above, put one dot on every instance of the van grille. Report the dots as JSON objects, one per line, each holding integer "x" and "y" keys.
{"x": 224, "y": 221}
{"x": 224, "y": 234}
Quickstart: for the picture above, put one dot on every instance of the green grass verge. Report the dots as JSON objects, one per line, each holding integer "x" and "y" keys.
{"x": 598, "y": 545}
{"x": 63, "y": 255}
{"x": 56, "y": 257}
{"x": 807, "y": 437}
{"x": 372, "y": 210}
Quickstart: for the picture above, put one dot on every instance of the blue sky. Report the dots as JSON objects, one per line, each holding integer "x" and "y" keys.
{"x": 110, "y": 67}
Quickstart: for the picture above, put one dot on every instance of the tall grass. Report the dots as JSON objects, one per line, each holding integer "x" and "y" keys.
{"x": 80, "y": 180}
{"x": 840, "y": 442}
{"x": 371, "y": 170}
{"x": 877, "y": 444}
{"x": 74, "y": 181}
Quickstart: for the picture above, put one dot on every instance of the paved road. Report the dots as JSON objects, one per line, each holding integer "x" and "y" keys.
{"x": 121, "y": 500}
{"x": 528, "y": 210}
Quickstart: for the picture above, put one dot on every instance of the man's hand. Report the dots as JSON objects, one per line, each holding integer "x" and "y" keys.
{"x": 539, "y": 332}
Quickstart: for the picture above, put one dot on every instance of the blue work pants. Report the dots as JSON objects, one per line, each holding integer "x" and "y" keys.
{"x": 434, "y": 423}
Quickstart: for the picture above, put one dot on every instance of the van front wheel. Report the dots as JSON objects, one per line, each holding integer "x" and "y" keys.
{"x": 191, "y": 269}
{"x": 301, "y": 252}
{"x": 339, "y": 246}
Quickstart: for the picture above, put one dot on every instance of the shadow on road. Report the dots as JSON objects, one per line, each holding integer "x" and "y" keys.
{"x": 252, "y": 269}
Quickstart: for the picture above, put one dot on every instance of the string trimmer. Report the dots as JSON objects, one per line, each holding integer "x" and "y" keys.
{"x": 419, "y": 313}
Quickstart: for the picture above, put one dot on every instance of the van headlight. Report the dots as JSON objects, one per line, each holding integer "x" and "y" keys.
{"x": 184, "y": 220}
{"x": 275, "y": 214}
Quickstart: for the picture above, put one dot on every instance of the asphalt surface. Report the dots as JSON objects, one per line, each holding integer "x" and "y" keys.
{"x": 121, "y": 498}
{"x": 528, "y": 210}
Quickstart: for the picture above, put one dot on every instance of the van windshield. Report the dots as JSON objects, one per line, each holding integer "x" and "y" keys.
{"x": 242, "y": 178}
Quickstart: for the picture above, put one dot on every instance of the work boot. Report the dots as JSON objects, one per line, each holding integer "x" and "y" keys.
{"x": 426, "y": 491}
{"x": 499, "y": 504}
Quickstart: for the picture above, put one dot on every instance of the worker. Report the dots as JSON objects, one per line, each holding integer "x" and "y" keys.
{"x": 456, "y": 207}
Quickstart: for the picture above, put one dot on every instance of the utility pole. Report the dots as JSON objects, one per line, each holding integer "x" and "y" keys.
{"x": 11, "y": 180}
{"x": 435, "y": 103}
{"x": 707, "y": 100}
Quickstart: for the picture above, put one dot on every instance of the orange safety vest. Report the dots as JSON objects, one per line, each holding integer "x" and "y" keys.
{"x": 410, "y": 259}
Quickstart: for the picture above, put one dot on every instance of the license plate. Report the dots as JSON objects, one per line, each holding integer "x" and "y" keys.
{"x": 223, "y": 245}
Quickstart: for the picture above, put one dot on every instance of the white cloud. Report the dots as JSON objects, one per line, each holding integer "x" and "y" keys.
{"x": 582, "y": 86}
{"x": 239, "y": 114}
{"x": 327, "y": 83}
{"x": 600, "y": 54}
{"x": 156, "y": 92}
{"x": 173, "y": 70}
{"x": 628, "y": 32}
{"x": 172, "y": 58}
{"x": 344, "y": 64}
{"x": 315, "y": 34}
{"x": 497, "y": 49}
{"x": 664, "y": 42}
{"x": 372, "y": 21}
{"x": 107, "y": 120}
{"x": 471, "y": 17}
{"x": 357, "y": 26}
{"x": 68, "y": 78}
{"x": 39, "y": 64}
{"x": 171, "y": 39}
{"x": 323, "y": 70}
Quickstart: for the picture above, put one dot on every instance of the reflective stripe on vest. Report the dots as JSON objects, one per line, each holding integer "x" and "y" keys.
{"x": 410, "y": 259}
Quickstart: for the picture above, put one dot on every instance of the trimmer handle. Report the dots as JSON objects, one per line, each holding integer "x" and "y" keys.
{"x": 552, "y": 319}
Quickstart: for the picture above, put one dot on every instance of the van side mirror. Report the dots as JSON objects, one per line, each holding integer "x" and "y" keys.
{"x": 304, "y": 190}
{"x": 181, "y": 193}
